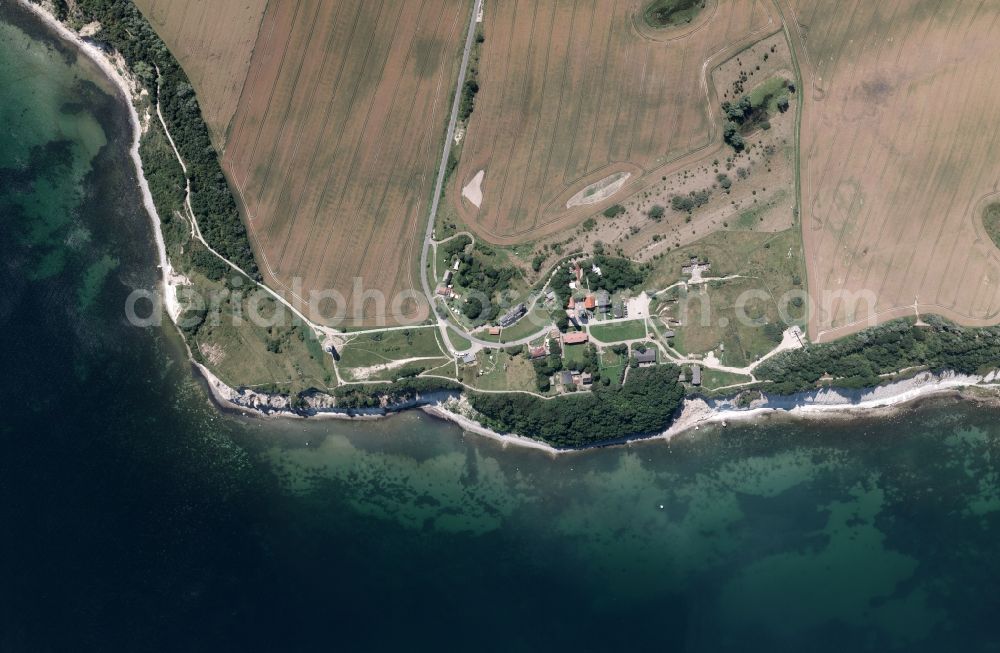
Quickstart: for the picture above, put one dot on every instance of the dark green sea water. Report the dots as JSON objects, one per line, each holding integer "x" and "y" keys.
{"x": 135, "y": 517}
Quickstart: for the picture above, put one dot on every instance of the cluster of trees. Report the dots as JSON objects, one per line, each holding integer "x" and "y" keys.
{"x": 859, "y": 360}
{"x": 546, "y": 367}
{"x": 614, "y": 211}
{"x": 476, "y": 276}
{"x": 456, "y": 246}
{"x": 663, "y": 13}
{"x": 163, "y": 172}
{"x": 127, "y": 31}
{"x": 744, "y": 115}
{"x": 732, "y": 136}
{"x": 616, "y": 273}
{"x": 646, "y": 404}
{"x": 471, "y": 86}
{"x": 691, "y": 201}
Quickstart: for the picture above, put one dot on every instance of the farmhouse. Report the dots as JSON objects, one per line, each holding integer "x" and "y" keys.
{"x": 590, "y": 303}
{"x": 445, "y": 292}
{"x": 538, "y": 352}
{"x": 576, "y": 338}
{"x": 646, "y": 358}
{"x": 513, "y": 315}
{"x": 566, "y": 378}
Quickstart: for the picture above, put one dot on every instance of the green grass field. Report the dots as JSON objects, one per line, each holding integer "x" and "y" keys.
{"x": 619, "y": 331}
{"x": 367, "y": 349}
{"x": 713, "y": 379}
{"x": 768, "y": 93}
{"x": 460, "y": 343}
{"x": 502, "y": 372}
{"x": 773, "y": 271}
{"x": 613, "y": 365}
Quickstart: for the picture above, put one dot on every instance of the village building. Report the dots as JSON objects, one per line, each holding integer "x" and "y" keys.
{"x": 447, "y": 277}
{"x": 587, "y": 378}
{"x": 468, "y": 359}
{"x": 696, "y": 375}
{"x": 566, "y": 378}
{"x": 646, "y": 358}
{"x": 603, "y": 301}
{"x": 538, "y": 352}
{"x": 669, "y": 333}
{"x": 576, "y": 338}
{"x": 495, "y": 331}
{"x": 513, "y": 315}
{"x": 572, "y": 303}
{"x": 618, "y": 311}
{"x": 590, "y": 303}
{"x": 445, "y": 292}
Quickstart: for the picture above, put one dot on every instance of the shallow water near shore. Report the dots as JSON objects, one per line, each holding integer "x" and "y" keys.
{"x": 136, "y": 516}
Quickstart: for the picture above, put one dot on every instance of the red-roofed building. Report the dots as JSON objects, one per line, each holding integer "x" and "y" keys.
{"x": 538, "y": 352}
{"x": 576, "y": 338}
{"x": 591, "y": 303}
{"x": 572, "y": 303}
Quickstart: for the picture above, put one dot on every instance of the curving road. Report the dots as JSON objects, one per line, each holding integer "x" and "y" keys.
{"x": 443, "y": 324}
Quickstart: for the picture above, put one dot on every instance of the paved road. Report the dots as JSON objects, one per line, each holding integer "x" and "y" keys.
{"x": 444, "y": 324}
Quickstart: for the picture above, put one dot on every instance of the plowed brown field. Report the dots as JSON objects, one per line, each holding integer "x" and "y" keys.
{"x": 900, "y": 148}
{"x": 572, "y": 92}
{"x": 334, "y": 142}
{"x": 213, "y": 40}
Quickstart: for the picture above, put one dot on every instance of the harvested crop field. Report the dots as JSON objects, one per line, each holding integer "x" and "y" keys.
{"x": 900, "y": 154}
{"x": 213, "y": 40}
{"x": 334, "y": 146}
{"x": 571, "y": 93}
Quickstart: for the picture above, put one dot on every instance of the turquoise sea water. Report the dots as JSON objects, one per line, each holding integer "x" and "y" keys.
{"x": 137, "y": 517}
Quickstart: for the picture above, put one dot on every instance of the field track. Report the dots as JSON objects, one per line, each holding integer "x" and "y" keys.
{"x": 572, "y": 92}
{"x": 900, "y": 150}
